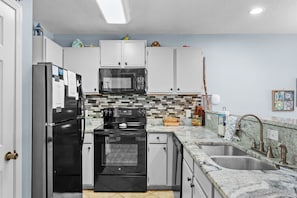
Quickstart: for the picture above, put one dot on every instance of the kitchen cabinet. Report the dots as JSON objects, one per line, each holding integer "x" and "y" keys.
{"x": 197, "y": 190}
{"x": 187, "y": 181}
{"x": 195, "y": 180}
{"x": 88, "y": 161}
{"x": 46, "y": 50}
{"x": 189, "y": 70}
{"x": 175, "y": 70}
{"x": 84, "y": 61}
{"x": 187, "y": 175}
{"x": 157, "y": 160}
{"x": 202, "y": 183}
{"x": 160, "y": 69}
{"x": 123, "y": 53}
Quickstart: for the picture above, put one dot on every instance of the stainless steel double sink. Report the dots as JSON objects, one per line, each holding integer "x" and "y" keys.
{"x": 228, "y": 156}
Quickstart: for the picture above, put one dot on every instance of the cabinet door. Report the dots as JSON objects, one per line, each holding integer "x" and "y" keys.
{"x": 217, "y": 194}
{"x": 111, "y": 53}
{"x": 84, "y": 61}
{"x": 189, "y": 70}
{"x": 160, "y": 69}
{"x": 46, "y": 50}
{"x": 187, "y": 181}
{"x": 134, "y": 53}
{"x": 88, "y": 165}
{"x": 53, "y": 52}
{"x": 157, "y": 165}
{"x": 197, "y": 191}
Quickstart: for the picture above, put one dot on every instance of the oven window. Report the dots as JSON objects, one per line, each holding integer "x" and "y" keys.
{"x": 117, "y": 83}
{"x": 119, "y": 154}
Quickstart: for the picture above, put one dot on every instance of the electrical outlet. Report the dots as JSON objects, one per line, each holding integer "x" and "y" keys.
{"x": 272, "y": 134}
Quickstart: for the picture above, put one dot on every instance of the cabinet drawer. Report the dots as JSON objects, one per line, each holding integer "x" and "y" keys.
{"x": 187, "y": 157}
{"x": 88, "y": 138}
{"x": 157, "y": 138}
{"x": 203, "y": 180}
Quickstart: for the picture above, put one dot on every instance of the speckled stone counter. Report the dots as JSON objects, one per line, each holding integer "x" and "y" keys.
{"x": 233, "y": 183}
{"x": 92, "y": 123}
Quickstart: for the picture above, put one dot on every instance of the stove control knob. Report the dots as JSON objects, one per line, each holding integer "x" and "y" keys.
{"x": 110, "y": 113}
{"x": 143, "y": 112}
{"x": 105, "y": 113}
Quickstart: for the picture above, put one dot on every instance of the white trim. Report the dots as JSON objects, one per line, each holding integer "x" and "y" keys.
{"x": 18, "y": 99}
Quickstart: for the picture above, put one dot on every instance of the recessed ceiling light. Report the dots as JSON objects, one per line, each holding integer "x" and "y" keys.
{"x": 256, "y": 11}
{"x": 114, "y": 11}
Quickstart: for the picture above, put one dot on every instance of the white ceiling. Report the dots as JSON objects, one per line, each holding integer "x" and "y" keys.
{"x": 170, "y": 17}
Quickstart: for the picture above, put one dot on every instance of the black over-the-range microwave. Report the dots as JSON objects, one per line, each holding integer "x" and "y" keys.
{"x": 118, "y": 81}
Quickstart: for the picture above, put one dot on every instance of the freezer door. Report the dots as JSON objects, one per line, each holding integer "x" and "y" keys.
{"x": 67, "y": 158}
{"x": 73, "y": 106}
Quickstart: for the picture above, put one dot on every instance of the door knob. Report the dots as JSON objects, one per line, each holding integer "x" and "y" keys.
{"x": 11, "y": 156}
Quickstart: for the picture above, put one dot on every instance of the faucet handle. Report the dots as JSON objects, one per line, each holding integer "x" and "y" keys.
{"x": 284, "y": 152}
{"x": 254, "y": 144}
{"x": 269, "y": 152}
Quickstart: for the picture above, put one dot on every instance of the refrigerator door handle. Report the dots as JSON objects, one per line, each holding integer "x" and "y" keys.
{"x": 84, "y": 130}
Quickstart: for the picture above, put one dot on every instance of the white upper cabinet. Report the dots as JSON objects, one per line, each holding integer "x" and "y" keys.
{"x": 111, "y": 53}
{"x": 177, "y": 71}
{"x": 46, "y": 50}
{"x": 189, "y": 70}
{"x": 84, "y": 61}
{"x": 134, "y": 53}
{"x": 122, "y": 53}
{"x": 160, "y": 69}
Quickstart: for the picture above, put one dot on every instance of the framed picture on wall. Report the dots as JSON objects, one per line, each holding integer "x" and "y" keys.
{"x": 282, "y": 100}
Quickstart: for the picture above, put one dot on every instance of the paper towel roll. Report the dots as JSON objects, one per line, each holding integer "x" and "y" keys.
{"x": 215, "y": 99}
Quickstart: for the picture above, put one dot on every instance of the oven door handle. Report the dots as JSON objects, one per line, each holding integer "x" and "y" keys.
{"x": 132, "y": 134}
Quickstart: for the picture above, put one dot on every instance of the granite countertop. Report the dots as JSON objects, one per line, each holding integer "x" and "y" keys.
{"x": 233, "y": 183}
{"x": 92, "y": 123}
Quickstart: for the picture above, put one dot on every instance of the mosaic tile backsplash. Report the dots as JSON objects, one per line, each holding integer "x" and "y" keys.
{"x": 287, "y": 134}
{"x": 158, "y": 106}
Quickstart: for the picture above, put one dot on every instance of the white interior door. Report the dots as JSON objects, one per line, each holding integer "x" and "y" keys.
{"x": 9, "y": 104}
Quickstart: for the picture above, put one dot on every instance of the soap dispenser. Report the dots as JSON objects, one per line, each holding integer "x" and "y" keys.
{"x": 222, "y": 117}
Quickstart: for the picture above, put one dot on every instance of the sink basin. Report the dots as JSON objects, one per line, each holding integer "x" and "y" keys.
{"x": 217, "y": 149}
{"x": 242, "y": 163}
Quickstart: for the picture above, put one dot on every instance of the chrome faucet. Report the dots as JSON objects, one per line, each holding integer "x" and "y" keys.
{"x": 237, "y": 128}
{"x": 283, "y": 153}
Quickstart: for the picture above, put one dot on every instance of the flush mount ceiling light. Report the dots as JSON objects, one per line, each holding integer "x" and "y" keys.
{"x": 114, "y": 11}
{"x": 256, "y": 11}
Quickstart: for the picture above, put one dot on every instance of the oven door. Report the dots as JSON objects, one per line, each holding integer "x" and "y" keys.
{"x": 120, "y": 152}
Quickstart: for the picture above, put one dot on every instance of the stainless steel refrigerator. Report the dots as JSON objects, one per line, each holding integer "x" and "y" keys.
{"x": 58, "y": 132}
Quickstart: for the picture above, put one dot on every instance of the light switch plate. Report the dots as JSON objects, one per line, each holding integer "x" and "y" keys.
{"x": 272, "y": 134}
{"x": 208, "y": 117}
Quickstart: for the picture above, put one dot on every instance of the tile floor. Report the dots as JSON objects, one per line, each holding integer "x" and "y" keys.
{"x": 148, "y": 194}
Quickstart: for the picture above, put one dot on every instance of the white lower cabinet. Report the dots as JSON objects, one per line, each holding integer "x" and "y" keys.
{"x": 157, "y": 165}
{"x": 88, "y": 162}
{"x": 195, "y": 182}
{"x": 157, "y": 160}
{"x": 187, "y": 181}
{"x": 203, "y": 181}
{"x": 197, "y": 190}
